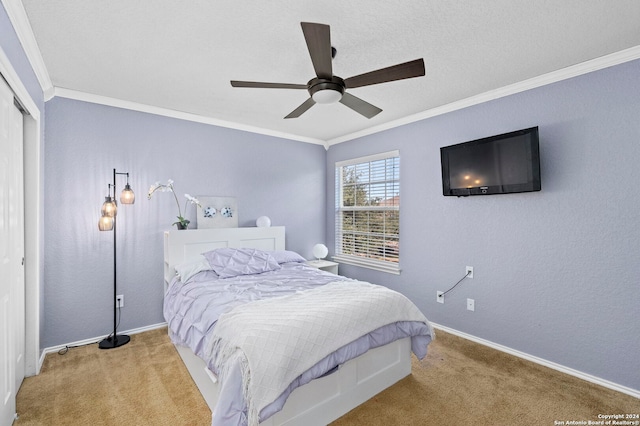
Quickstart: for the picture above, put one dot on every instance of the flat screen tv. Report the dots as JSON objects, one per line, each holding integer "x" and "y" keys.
{"x": 498, "y": 164}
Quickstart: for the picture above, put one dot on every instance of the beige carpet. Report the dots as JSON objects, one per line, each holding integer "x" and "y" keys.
{"x": 465, "y": 383}
{"x": 459, "y": 383}
{"x": 141, "y": 383}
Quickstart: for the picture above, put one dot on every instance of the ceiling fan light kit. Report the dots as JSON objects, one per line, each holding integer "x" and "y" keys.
{"x": 327, "y": 88}
{"x": 326, "y": 91}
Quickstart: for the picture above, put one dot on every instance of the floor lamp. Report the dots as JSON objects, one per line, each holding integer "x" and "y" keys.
{"x": 108, "y": 223}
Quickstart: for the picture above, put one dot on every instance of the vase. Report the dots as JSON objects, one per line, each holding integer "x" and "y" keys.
{"x": 182, "y": 226}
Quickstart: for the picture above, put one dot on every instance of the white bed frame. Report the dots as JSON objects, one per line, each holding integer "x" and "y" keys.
{"x": 320, "y": 401}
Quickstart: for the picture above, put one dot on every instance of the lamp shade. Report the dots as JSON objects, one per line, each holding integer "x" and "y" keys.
{"x": 263, "y": 222}
{"x": 320, "y": 251}
{"x": 127, "y": 196}
{"x": 109, "y": 207}
{"x": 105, "y": 223}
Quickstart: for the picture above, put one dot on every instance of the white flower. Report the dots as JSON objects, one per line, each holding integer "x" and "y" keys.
{"x": 169, "y": 188}
{"x": 192, "y": 200}
{"x": 153, "y": 189}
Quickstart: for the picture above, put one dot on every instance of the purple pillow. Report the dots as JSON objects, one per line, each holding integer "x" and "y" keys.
{"x": 230, "y": 262}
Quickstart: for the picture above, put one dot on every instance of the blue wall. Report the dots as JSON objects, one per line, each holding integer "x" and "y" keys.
{"x": 555, "y": 272}
{"x": 282, "y": 179}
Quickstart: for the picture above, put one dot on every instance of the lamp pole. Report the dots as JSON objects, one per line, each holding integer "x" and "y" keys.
{"x": 114, "y": 340}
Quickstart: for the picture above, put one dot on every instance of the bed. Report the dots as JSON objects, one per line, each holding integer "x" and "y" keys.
{"x": 335, "y": 384}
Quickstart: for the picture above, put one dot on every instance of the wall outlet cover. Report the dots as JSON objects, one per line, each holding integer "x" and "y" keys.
{"x": 471, "y": 305}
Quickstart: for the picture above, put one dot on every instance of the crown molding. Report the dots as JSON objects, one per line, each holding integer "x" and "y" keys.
{"x": 20, "y": 21}
{"x": 150, "y": 109}
{"x": 606, "y": 61}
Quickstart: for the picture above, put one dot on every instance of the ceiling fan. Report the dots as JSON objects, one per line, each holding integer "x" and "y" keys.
{"x": 328, "y": 88}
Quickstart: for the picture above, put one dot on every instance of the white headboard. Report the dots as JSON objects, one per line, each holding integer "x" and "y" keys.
{"x": 188, "y": 244}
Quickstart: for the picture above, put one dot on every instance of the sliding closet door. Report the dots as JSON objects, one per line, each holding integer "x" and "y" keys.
{"x": 12, "y": 297}
{"x": 16, "y": 223}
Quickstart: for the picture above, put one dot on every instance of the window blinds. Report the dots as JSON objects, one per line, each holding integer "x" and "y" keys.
{"x": 368, "y": 211}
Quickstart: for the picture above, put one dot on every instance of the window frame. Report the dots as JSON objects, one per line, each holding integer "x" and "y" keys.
{"x": 365, "y": 261}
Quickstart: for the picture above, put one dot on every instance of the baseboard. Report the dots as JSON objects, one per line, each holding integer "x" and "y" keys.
{"x": 558, "y": 367}
{"x": 92, "y": 340}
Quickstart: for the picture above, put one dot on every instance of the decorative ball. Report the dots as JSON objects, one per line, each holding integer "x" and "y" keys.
{"x": 320, "y": 251}
{"x": 263, "y": 222}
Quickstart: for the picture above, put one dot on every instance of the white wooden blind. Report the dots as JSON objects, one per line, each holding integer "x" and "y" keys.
{"x": 368, "y": 211}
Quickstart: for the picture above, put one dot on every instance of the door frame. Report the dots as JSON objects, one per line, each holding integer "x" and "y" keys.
{"x": 33, "y": 218}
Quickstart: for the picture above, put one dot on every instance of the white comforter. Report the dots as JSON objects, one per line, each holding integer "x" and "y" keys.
{"x": 277, "y": 340}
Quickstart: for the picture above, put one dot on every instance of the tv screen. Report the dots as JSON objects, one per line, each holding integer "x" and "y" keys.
{"x": 495, "y": 165}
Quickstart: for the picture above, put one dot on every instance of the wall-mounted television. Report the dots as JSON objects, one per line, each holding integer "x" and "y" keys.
{"x": 498, "y": 164}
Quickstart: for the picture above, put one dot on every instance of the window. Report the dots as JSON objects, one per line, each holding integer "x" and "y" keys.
{"x": 368, "y": 211}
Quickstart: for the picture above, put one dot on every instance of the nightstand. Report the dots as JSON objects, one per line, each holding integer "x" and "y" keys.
{"x": 325, "y": 265}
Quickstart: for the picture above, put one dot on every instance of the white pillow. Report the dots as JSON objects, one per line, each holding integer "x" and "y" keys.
{"x": 188, "y": 269}
{"x": 287, "y": 256}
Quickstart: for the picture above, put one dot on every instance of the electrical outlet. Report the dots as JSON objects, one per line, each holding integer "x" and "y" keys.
{"x": 469, "y": 271}
{"x": 120, "y": 301}
{"x": 471, "y": 305}
{"x": 440, "y": 296}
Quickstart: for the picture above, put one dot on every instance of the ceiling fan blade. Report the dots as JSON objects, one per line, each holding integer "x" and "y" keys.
{"x": 260, "y": 85}
{"x": 396, "y": 72}
{"x": 360, "y": 106}
{"x": 301, "y": 109}
{"x": 318, "y": 38}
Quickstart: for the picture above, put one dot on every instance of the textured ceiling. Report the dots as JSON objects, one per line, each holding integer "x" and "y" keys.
{"x": 181, "y": 55}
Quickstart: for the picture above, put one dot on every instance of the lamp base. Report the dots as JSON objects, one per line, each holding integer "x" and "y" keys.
{"x": 114, "y": 341}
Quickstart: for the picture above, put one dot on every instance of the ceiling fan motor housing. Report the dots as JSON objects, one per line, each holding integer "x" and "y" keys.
{"x": 326, "y": 90}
